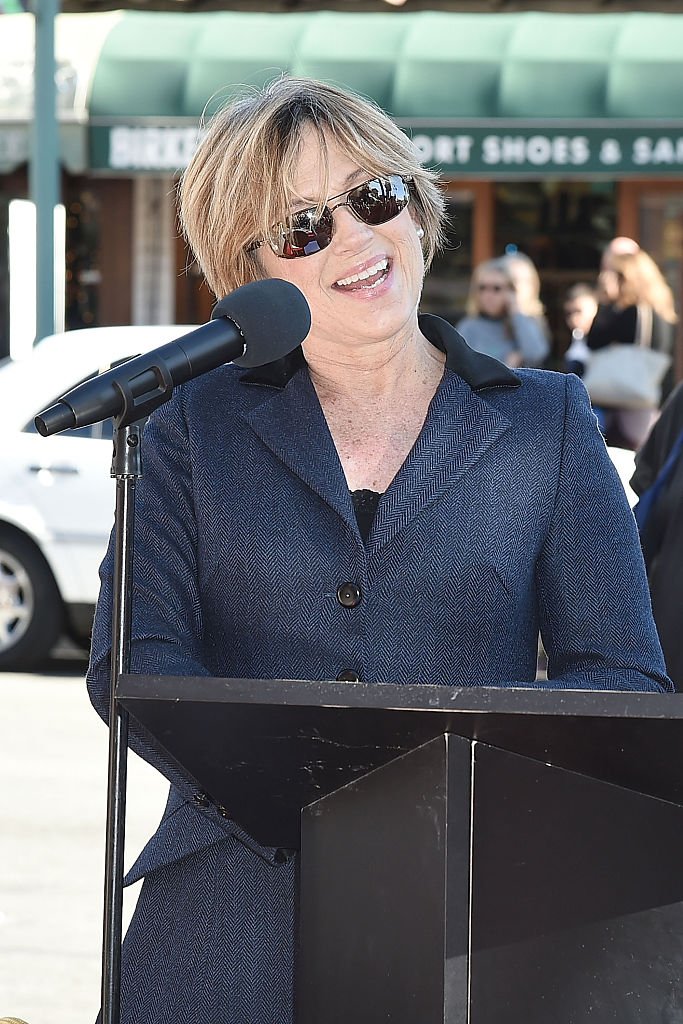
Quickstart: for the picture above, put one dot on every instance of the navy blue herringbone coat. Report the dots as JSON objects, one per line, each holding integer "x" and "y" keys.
{"x": 506, "y": 517}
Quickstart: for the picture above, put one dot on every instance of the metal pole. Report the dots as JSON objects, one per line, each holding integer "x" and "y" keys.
{"x": 127, "y": 469}
{"x": 44, "y": 162}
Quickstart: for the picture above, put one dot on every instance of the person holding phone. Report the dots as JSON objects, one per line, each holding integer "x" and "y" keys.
{"x": 494, "y": 325}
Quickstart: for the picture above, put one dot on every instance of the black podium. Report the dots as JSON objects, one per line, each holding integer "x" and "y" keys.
{"x": 467, "y": 856}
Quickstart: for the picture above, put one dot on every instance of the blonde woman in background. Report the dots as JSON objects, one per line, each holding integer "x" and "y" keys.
{"x": 522, "y": 270}
{"x": 527, "y": 282}
{"x": 641, "y": 311}
{"x": 606, "y": 284}
{"x": 494, "y": 323}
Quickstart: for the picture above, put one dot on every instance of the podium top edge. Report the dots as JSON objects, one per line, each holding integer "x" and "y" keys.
{"x": 532, "y": 700}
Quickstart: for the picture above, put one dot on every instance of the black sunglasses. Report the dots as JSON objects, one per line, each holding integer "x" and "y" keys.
{"x": 374, "y": 202}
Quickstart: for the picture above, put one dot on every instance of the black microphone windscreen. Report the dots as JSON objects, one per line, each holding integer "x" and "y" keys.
{"x": 272, "y": 315}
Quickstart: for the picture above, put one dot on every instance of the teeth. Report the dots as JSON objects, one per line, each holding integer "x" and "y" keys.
{"x": 364, "y": 274}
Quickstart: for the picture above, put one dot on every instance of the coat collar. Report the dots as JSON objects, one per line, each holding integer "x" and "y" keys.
{"x": 476, "y": 369}
{"x": 460, "y": 427}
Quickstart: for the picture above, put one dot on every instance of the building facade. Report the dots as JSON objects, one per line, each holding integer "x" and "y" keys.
{"x": 553, "y": 132}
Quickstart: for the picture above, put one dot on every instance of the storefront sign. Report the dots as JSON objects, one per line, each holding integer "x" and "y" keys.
{"x": 500, "y": 151}
{"x": 133, "y": 149}
{"x": 508, "y": 151}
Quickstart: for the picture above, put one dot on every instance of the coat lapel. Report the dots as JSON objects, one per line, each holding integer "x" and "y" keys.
{"x": 290, "y": 422}
{"x": 460, "y": 427}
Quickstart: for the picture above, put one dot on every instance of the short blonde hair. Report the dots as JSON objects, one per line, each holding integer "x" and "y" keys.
{"x": 240, "y": 181}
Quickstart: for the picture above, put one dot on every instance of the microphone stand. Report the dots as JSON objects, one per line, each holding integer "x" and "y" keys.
{"x": 126, "y": 468}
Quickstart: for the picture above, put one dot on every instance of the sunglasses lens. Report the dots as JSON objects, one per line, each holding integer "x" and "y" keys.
{"x": 307, "y": 235}
{"x": 374, "y": 202}
{"x": 379, "y": 200}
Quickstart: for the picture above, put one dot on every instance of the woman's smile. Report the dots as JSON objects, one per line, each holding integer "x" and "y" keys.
{"x": 367, "y": 277}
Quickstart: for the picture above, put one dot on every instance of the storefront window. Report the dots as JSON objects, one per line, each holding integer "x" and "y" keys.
{"x": 83, "y": 276}
{"x": 446, "y": 285}
{"x": 661, "y": 234}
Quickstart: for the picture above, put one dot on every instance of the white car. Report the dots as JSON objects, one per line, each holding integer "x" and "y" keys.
{"x": 56, "y": 494}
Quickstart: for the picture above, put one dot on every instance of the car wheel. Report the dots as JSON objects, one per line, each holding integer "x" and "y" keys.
{"x": 31, "y": 610}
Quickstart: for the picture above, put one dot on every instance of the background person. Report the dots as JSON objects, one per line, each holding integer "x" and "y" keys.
{"x": 527, "y": 284}
{"x": 494, "y": 324}
{"x": 641, "y": 311}
{"x": 607, "y": 284}
{"x": 383, "y": 504}
{"x": 580, "y": 307}
{"x": 662, "y": 536}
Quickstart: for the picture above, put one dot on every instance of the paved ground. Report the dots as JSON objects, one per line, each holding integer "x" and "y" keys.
{"x": 53, "y": 770}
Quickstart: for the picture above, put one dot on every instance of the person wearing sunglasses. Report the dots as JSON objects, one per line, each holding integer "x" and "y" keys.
{"x": 493, "y": 323}
{"x": 383, "y": 505}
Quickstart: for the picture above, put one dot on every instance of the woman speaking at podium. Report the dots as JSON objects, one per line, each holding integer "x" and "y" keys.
{"x": 384, "y": 504}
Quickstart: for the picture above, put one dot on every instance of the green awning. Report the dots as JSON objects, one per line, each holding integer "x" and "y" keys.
{"x": 489, "y": 93}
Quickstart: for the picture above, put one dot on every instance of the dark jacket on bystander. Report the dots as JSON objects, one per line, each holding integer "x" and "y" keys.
{"x": 663, "y": 537}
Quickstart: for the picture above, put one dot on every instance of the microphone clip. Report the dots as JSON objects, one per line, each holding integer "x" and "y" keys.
{"x": 136, "y": 408}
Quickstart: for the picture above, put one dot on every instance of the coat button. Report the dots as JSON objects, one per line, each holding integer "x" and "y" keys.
{"x": 347, "y": 676}
{"x": 224, "y": 813}
{"x": 348, "y": 595}
{"x": 201, "y": 799}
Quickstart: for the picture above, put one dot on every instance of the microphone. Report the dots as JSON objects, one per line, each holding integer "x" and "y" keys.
{"x": 255, "y": 324}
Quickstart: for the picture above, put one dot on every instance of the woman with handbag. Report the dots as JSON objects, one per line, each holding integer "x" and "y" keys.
{"x": 658, "y": 480}
{"x": 632, "y": 338}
